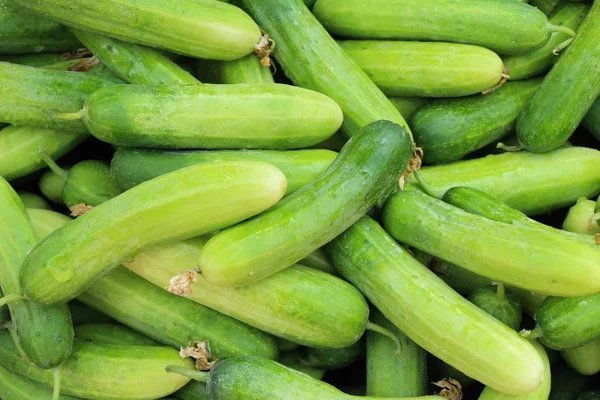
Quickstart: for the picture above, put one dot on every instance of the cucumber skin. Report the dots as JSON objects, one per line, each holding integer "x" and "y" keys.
{"x": 448, "y": 130}
{"x": 546, "y": 6}
{"x": 562, "y": 101}
{"x": 331, "y": 359}
{"x": 313, "y": 60}
{"x": 57, "y": 61}
{"x": 132, "y": 166}
{"x": 404, "y": 291}
{"x": 204, "y": 29}
{"x": 16, "y": 387}
{"x": 508, "y": 310}
{"x": 193, "y": 391}
{"x": 245, "y": 70}
{"x": 362, "y": 176}
{"x": 84, "y": 315}
{"x": 579, "y": 218}
{"x": 31, "y": 200}
{"x": 48, "y": 274}
{"x": 134, "y": 63}
{"x": 290, "y": 360}
{"x": 199, "y": 116}
{"x": 4, "y": 315}
{"x": 591, "y": 121}
{"x": 584, "y": 359}
{"x": 115, "y": 334}
{"x": 416, "y": 69}
{"x": 488, "y": 24}
{"x": 89, "y": 182}
{"x": 408, "y": 105}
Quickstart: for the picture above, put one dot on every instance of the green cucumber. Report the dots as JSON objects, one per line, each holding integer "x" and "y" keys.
{"x": 4, "y": 315}
{"x": 546, "y": 6}
{"x": 247, "y": 69}
{"x": 201, "y": 28}
{"x": 45, "y": 222}
{"x": 499, "y": 304}
{"x": 113, "y": 334}
{"x": 132, "y": 166}
{"x": 589, "y": 395}
{"x": 58, "y": 61}
{"x": 16, "y": 387}
{"x": 57, "y": 270}
{"x": 33, "y": 96}
{"x": 416, "y": 69}
{"x": 290, "y": 359}
{"x": 285, "y": 345}
{"x": 199, "y": 116}
{"x": 432, "y": 314}
{"x": 90, "y": 183}
{"x": 331, "y": 359}
{"x": 102, "y": 371}
{"x": 193, "y": 391}
{"x": 448, "y": 130}
{"x": 580, "y": 218}
{"x": 505, "y": 27}
{"x": 134, "y": 63}
{"x": 52, "y": 184}
{"x": 562, "y": 101}
{"x": 390, "y": 374}
{"x": 32, "y": 200}
{"x": 591, "y": 121}
{"x": 44, "y": 333}
{"x": 566, "y": 383}
{"x": 363, "y": 175}
{"x": 584, "y": 359}
{"x": 318, "y": 260}
{"x": 408, "y": 105}
{"x": 525, "y": 66}
{"x": 84, "y": 315}
{"x": 313, "y": 60}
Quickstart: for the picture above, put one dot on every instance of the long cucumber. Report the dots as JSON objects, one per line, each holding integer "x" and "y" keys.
{"x": 16, "y": 387}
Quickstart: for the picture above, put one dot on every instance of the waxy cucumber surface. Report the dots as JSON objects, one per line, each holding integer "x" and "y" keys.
{"x": 113, "y": 334}
{"x": 584, "y": 359}
{"x": 89, "y": 183}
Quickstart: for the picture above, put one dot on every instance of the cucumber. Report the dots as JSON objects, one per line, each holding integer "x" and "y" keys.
{"x": 505, "y": 27}
{"x": 439, "y": 370}
{"x": 103, "y": 371}
{"x": 44, "y": 333}
{"x": 416, "y": 69}
{"x": 499, "y": 304}
{"x": 562, "y": 101}
{"x": 584, "y": 359}
{"x": 390, "y": 374}
{"x": 57, "y": 271}
{"x": 363, "y": 175}
{"x": 132, "y": 166}
{"x": 433, "y": 315}
{"x": 199, "y": 28}
{"x": 134, "y": 63}
{"x": 113, "y": 334}
{"x": 16, "y": 387}
{"x": 32, "y": 200}
{"x": 546, "y": 6}
{"x": 591, "y": 121}
{"x": 84, "y": 315}
{"x": 24, "y": 32}
{"x": 318, "y": 260}
{"x": 193, "y": 391}
{"x": 580, "y": 218}
{"x": 285, "y": 345}
{"x": 200, "y": 116}
{"x": 51, "y": 185}
{"x": 313, "y": 60}
{"x": 33, "y": 96}
{"x": 589, "y": 395}
{"x": 4, "y": 315}
{"x": 331, "y": 359}
{"x": 57, "y": 61}
{"x": 247, "y": 69}
{"x": 408, "y": 105}
{"x": 566, "y": 383}
{"x": 525, "y": 66}
{"x": 448, "y": 130}
{"x": 290, "y": 360}
{"x": 45, "y": 222}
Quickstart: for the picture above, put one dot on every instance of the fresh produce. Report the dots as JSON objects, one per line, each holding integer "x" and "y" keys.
{"x": 499, "y": 304}
{"x": 16, "y": 387}
{"x": 584, "y": 359}
{"x": 566, "y": 383}
{"x": 247, "y": 69}
{"x": 52, "y": 184}
{"x": 581, "y": 218}
{"x": 32, "y": 200}
{"x": 591, "y": 121}
{"x": 112, "y": 334}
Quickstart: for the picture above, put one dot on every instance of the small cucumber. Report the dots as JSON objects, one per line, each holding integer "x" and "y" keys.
{"x": 52, "y": 184}
{"x": 448, "y": 130}
{"x": 102, "y": 371}
{"x": 580, "y": 218}
{"x": 584, "y": 359}
{"x": 32, "y": 200}
{"x": 193, "y": 391}
{"x": 200, "y": 116}
{"x": 567, "y": 92}
{"x": 290, "y": 360}
{"x": 84, "y": 315}
{"x": 521, "y": 29}
{"x": 390, "y": 374}
{"x": 499, "y": 304}
{"x": 363, "y": 175}
{"x": 132, "y": 166}
{"x": 416, "y": 68}
{"x": 591, "y": 121}
{"x": 408, "y": 105}
{"x": 330, "y": 359}
{"x": 566, "y": 383}
{"x": 431, "y": 313}
{"x": 247, "y": 69}
{"x": 57, "y": 270}
{"x": 199, "y": 28}
{"x": 313, "y": 60}
{"x": 16, "y": 387}
{"x": 113, "y": 334}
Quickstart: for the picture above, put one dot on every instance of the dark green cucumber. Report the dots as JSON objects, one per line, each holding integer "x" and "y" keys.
{"x": 448, "y": 130}
{"x": 313, "y": 60}
{"x": 84, "y": 315}
{"x": 247, "y": 69}
{"x": 58, "y": 61}
{"x": 134, "y": 63}
{"x": 591, "y": 121}
{"x": 290, "y": 359}
{"x": 590, "y": 395}
{"x": 329, "y": 359}
{"x": 506, "y": 27}
{"x": 16, "y": 387}
{"x": 580, "y": 218}
{"x": 390, "y": 374}
{"x": 4, "y": 315}
{"x": 285, "y": 345}
{"x": 408, "y": 105}
{"x": 193, "y": 391}
{"x": 363, "y": 175}
{"x": 33, "y": 96}
{"x": 32, "y": 200}
{"x": 132, "y": 166}
{"x": 113, "y": 334}
{"x": 567, "y": 92}
{"x": 584, "y": 359}
{"x": 439, "y": 370}
{"x": 431, "y": 313}
{"x": 566, "y": 383}
{"x": 500, "y": 305}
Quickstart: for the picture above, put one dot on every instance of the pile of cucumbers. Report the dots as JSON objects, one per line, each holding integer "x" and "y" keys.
{"x": 300, "y": 199}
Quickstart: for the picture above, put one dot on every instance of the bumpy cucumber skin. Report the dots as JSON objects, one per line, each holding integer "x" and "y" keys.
{"x": 193, "y": 391}
{"x": 527, "y": 65}
{"x": 506, "y": 310}
{"x": 408, "y": 105}
{"x": 132, "y": 166}
{"x": 363, "y": 175}
{"x": 102, "y": 371}
{"x": 448, "y": 130}
{"x": 390, "y": 374}
{"x": 91, "y": 183}
{"x": 567, "y": 92}
{"x": 16, "y": 387}
{"x": 579, "y": 218}
{"x": 425, "y": 309}
{"x": 313, "y": 60}
{"x": 57, "y": 271}
{"x": 84, "y": 315}
{"x": 244, "y": 70}
{"x": 585, "y": 359}
{"x": 198, "y": 28}
{"x": 591, "y": 121}
{"x": 32, "y": 200}
{"x": 33, "y": 96}
{"x": 504, "y": 27}
{"x": 133, "y": 63}
{"x": 200, "y": 116}
{"x": 45, "y": 333}
{"x": 113, "y": 334}
{"x": 426, "y": 69}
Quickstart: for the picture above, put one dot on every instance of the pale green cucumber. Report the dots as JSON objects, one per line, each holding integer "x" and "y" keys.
{"x": 408, "y": 105}
{"x": 32, "y": 200}
{"x": 581, "y": 218}
{"x": 584, "y": 359}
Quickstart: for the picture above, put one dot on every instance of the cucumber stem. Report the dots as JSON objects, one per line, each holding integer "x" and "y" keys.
{"x": 500, "y": 291}
{"x": 532, "y": 334}
{"x": 504, "y": 147}
{"x": 561, "y": 28}
{"x": 561, "y": 46}
{"x": 57, "y": 381}
{"x": 53, "y": 165}
{"x": 190, "y": 373}
{"x": 385, "y": 332}
{"x": 70, "y": 116}
{"x": 430, "y": 191}
{"x": 13, "y": 334}
{"x": 9, "y": 298}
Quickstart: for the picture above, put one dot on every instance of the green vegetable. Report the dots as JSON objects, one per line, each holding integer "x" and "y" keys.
{"x": 247, "y": 69}
{"x": 113, "y": 334}
{"x": 32, "y": 200}
{"x": 408, "y": 105}
{"x": 57, "y": 61}
{"x": 318, "y": 260}
{"x": 546, "y": 6}
{"x": 330, "y": 359}
{"x": 581, "y": 218}
{"x": 499, "y": 304}
{"x": 51, "y": 185}
{"x": 591, "y": 121}
{"x": 16, "y": 387}
{"x": 193, "y": 391}
{"x": 584, "y": 359}
{"x": 290, "y": 359}
{"x": 84, "y": 315}
{"x": 4, "y": 315}
{"x": 566, "y": 383}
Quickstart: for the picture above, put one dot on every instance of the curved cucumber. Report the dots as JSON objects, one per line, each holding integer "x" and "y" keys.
{"x": 363, "y": 175}
{"x": 132, "y": 166}
{"x": 432, "y": 314}
{"x": 417, "y": 69}
{"x": 448, "y": 130}
{"x": 500, "y": 305}
{"x": 546, "y": 6}
{"x": 408, "y": 105}
{"x": 193, "y": 391}
{"x": 16, "y": 387}
{"x": 57, "y": 271}
{"x": 591, "y": 121}
{"x": 199, "y": 28}
{"x": 580, "y": 218}
{"x": 31, "y": 200}
{"x": 505, "y": 27}
{"x": 585, "y": 359}
{"x": 89, "y": 183}
{"x": 200, "y": 116}
{"x": 567, "y": 92}
{"x": 113, "y": 334}
{"x": 244, "y": 70}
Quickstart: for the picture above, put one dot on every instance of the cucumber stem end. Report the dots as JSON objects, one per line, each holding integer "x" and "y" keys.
{"x": 385, "y": 332}
{"x": 9, "y": 298}
{"x": 190, "y": 373}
